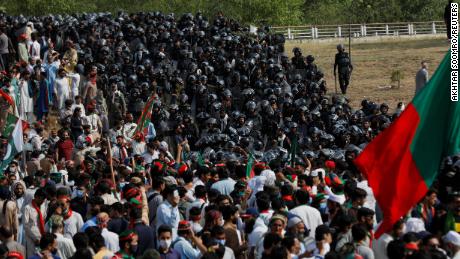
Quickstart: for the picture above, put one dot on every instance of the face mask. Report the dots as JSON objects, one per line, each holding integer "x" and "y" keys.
{"x": 79, "y": 193}
{"x": 133, "y": 249}
{"x": 122, "y": 184}
{"x": 323, "y": 207}
{"x": 13, "y": 170}
{"x": 221, "y": 241}
{"x": 165, "y": 243}
{"x": 327, "y": 247}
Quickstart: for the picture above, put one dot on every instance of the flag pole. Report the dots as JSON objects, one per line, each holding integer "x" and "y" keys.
{"x": 111, "y": 161}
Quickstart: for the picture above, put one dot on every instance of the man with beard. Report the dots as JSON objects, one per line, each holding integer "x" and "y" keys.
{"x": 19, "y": 188}
{"x": 309, "y": 215}
{"x": 234, "y": 238}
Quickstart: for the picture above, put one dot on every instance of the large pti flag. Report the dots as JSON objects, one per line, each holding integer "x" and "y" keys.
{"x": 144, "y": 120}
{"x": 15, "y": 144}
{"x": 402, "y": 162}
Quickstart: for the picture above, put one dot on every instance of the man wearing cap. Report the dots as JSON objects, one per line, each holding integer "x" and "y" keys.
{"x": 22, "y": 49}
{"x": 452, "y": 243}
{"x": 310, "y": 216}
{"x": 183, "y": 244}
{"x": 168, "y": 211}
{"x": 128, "y": 243}
{"x": 276, "y": 226}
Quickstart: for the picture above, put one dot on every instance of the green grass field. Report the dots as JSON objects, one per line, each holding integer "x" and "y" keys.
{"x": 374, "y": 62}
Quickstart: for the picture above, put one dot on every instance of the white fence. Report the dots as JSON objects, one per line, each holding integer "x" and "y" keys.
{"x": 361, "y": 30}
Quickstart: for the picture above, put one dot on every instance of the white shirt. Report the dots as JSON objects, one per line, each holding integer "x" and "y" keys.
{"x": 310, "y": 216}
{"x": 225, "y": 186}
{"x": 148, "y": 158}
{"x": 62, "y": 90}
{"x": 73, "y": 224}
{"x": 109, "y": 199}
{"x": 139, "y": 148}
{"x": 257, "y": 233}
{"x": 66, "y": 248}
{"x": 35, "y": 50}
{"x": 111, "y": 240}
{"x": 380, "y": 246}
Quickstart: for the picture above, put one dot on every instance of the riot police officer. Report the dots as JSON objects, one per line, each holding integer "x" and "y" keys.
{"x": 343, "y": 62}
{"x": 298, "y": 61}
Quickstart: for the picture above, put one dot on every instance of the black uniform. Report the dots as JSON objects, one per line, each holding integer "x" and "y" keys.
{"x": 343, "y": 62}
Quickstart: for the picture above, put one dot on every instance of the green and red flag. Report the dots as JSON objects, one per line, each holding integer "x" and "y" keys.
{"x": 15, "y": 142}
{"x": 145, "y": 119}
{"x": 402, "y": 162}
{"x": 249, "y": 166}
{"x": 9, "y": 125}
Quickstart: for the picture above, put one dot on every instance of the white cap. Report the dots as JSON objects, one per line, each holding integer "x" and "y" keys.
{"x": 318, "y": 172}
{"x": 339, "y": 198}
{"x": 293, "y": 222}
{"x": 415, "y": 225}
{"x": 452, "y": 237}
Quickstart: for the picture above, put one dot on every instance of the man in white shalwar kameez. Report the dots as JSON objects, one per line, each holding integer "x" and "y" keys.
{"x": 27, "y": 103}
{"x": 34, "y": 216}
{"x": 62, "y": 88}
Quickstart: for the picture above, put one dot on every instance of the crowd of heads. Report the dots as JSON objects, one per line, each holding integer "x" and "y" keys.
{"x": 231, "y": 133}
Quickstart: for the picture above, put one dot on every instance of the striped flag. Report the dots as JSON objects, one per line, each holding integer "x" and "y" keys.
{"x": 15, "y": 144}
{"x": 145, "y": 119}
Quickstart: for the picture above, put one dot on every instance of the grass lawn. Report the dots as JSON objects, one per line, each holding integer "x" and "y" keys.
{"x": 373, "y": 64}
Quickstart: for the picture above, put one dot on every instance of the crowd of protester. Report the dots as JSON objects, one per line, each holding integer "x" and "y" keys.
{"x": 242, "y": 152}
